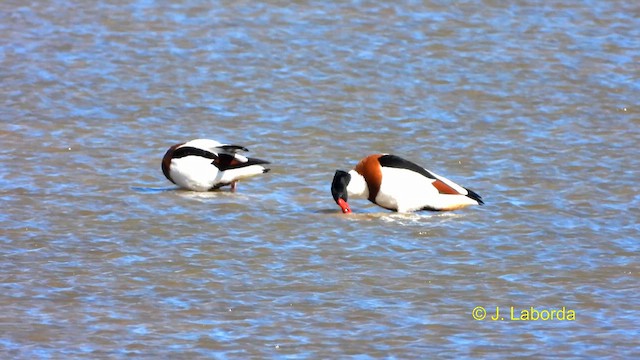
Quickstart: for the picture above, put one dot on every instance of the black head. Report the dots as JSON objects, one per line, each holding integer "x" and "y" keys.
{"x": 339, "y": 185}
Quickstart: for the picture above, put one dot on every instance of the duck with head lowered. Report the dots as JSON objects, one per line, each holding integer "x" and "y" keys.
{"x": 400, "y": 185}
{"x": 204, "y": 165}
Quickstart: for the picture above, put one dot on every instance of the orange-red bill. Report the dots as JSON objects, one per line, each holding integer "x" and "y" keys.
{"x": 344, "y": 206}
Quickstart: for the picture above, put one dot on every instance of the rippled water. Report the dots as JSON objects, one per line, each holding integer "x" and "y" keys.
{"x": 533, "y": 105}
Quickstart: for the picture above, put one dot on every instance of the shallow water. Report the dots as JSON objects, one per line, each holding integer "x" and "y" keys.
{"x": 533, "y": 105}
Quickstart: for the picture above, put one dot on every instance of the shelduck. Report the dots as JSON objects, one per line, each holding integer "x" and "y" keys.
{"x": 400, "y": 185}
{"x": 204, "y": 165}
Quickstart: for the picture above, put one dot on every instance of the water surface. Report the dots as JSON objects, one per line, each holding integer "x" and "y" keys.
{"x": 533, "y": 105}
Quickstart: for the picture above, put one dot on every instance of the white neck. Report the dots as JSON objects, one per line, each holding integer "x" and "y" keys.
{"x": 357, "y": 187}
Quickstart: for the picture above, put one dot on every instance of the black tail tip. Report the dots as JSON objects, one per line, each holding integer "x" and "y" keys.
{"x": 266, "y": 170}
{"x": 474, "y": 195}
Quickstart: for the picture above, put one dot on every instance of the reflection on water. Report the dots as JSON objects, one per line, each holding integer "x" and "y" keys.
{"x": 532, "y": 105}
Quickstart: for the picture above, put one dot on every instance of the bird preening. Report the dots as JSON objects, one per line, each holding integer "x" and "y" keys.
{"x": 388, "y": 181}
{"x": 400, "y": 185}
{"x": 204, "y": 165}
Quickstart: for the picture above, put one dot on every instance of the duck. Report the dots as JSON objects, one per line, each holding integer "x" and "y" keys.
{"x": 205, "y": 165}
{"x": 400, "y": 185}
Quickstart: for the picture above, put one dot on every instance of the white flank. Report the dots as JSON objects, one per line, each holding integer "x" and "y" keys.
{"x": 407, "y": 191}
{"x": 194, "y": 173}
{"x": 230, "y": 175}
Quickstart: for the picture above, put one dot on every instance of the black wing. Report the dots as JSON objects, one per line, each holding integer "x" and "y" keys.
{"x": 394, "y": 161}
{"x": 192, "y": 151}
{"x": 226, "y": 161}
{"x": 232, "y": 148}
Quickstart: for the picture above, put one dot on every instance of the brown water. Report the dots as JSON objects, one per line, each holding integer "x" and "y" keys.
{"x": 533, "y": 105}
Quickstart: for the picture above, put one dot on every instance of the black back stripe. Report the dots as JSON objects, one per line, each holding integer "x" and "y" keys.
{"x": 252, "y": 161}
{"x": 191, "y": 151}
{"x": 226, "y": 162}
{"x": 233, "y": 148}
{"x": 397, "y": 162}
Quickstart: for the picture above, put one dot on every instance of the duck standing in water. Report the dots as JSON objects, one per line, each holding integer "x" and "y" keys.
{"x": 397, "y": 184}
{"x": 204, "y": 165}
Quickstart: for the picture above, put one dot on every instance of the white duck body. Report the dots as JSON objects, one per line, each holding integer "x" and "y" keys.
{"x": 397, "y": 184}
{"x": 204, "y": 164}
{"x": 406, "y": 191}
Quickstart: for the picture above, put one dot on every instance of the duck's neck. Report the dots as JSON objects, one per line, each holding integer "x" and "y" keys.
{"x": 357, "y": 187}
